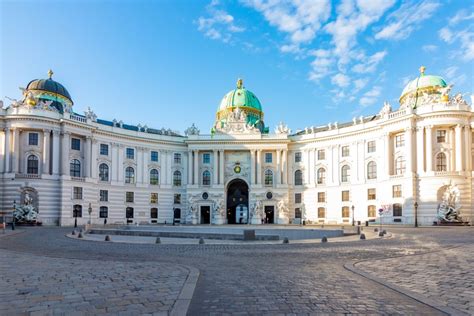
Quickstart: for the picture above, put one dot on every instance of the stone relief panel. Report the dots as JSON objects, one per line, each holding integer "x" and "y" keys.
{"x": 237, "y": 164}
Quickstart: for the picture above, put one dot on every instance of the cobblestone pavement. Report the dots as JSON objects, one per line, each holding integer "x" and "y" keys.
{"x": 267, "y": 279}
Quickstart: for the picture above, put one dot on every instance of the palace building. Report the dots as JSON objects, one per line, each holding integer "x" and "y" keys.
{"x": 71, "y": 165}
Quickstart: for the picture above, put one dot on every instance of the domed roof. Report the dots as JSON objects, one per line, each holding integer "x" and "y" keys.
{"x": 240, "y": 97}
{"x": 423, "y": 83}
{"x": 49, "y": 86}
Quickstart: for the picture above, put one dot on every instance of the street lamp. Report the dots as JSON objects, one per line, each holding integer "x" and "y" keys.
{"x": 74, "y": 211}
{"x": 13, "y": 215}
{"x": 353, "y": 207}
{"x": 416, "y": 214}
{"x": 90, "y": 212}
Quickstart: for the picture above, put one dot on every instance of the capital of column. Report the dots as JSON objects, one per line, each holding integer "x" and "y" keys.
{"x": 46, "y": 131}
{"x": 56, "y": 132}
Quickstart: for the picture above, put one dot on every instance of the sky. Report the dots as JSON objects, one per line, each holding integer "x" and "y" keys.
{"x": 169, "y": 63}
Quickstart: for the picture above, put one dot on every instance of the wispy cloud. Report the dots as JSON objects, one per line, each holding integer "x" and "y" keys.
{"x": 218, "y": 25}
{"x": 429, "y": 48}
{"x": 370, "y": 97}
{"x": 461, "y": 35}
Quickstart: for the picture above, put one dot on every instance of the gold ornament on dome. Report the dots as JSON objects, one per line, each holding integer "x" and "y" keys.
{"x": 240, "y": 83}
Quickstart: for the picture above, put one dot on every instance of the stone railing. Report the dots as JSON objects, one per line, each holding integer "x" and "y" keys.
{"x": 446, "y": 173}
{"x": 78, "y": 118}
{"x": 27, "y": 176}
{"x": 396, "y": 176}
{"x": 80, "y": 179}
{"x": 397, "y": 114}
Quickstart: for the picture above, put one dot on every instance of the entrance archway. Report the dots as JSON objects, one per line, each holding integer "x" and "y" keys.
{"x": 237, "y": 202}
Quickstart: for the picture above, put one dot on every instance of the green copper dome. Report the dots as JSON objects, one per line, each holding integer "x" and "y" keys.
{"x": 240, "y": 97}
{"x": 424, "y": 82}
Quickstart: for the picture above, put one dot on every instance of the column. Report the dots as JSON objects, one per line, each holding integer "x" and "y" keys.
{"x": 388, "y": 155}
{"x": 164, "y": 166}
{"x": 420, "y": 150}
{"x": 429, "y": 148}
{"x": 56, "y": 152}
{"x": 253, "y": 170}
{"x": 169, "y": 173}
{"x": 139, "y": 171}
{"x": 215, "y": 172}
{"x": 458, "y": 152}
{"x": 307, "y": 176}
{"x": 16, "y": 151}
{"x": 120, "y": 166}
{"x": 144, "y": 163}
{"x": 87, "y": 157}
{"x": 7, "y": 151}
{"x": 285, "y": 167}
{"x": 190, "y": 167}
{"x": 468, "y": 147}
{"x": 196, "y": 167}
{"x": 94, "y": 148}
{"x": 65, "y": 154}
{"x": 409, "y": 150}
{"x": 278, "y": 167}
{"x": 221, "y": 167}
{"x": 259, "y": 167}
{"x": 2, "y": 150}
{"x": 46, "y": 150}
{"x": 114, "y": 162}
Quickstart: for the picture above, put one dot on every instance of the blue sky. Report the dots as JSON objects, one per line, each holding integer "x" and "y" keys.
{"x": 168, "y": 63}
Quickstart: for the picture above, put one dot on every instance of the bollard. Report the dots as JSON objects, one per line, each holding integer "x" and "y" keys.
{"x": 376, "y": 230}
{"x": 107, "y": 238}
{"x": 384, "y": 232}
{"x": 158, "y": 240}
{"x": 358, "y": 230}
{"x": 79, "y": 235}
{"x": 201, "y": 241}
{"x": 73, "y": 233}
{"x": 380, "y": 234}
{"x": 286, "y": 240}
{"x": 362, "y": 236}
{"x": 324, "y": 239}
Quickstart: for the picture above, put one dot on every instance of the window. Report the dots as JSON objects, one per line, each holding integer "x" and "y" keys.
{"x": 268, "y": 177}
{"x": 177, "y": 199}
{"x": 77, "y": 210}
{"x": 298, "y": 177}
{"x": 345, "y": 173}
{"x": 297, "y": 197}
{"x": 33, "y": 139}
{"x": 129, "y": 212}
{"x": 104, "y": 149}
{"x": 154, "y": 198}
{"x": 154, "y": 177}
{"x": 399, "y": 140}
{"x": 103, "y": 172}
{"x": 206, "y": 178}
{"x": 397, "y": 191}
{"x": 371, "y": 211}
{"x": 321, "y": 176}
{"x": 77, "y": 193}
{"x": 321, "y": 154}
{"x": 345, "y": 151}
{"x": 397, "y": 209}
{"x": 130, "y": 153}
{"x": 441, "y": 164}
{"x": 321, "y": 197}
{"x": 154, "y": 212}
{"x": 371, "y": 194}
{"x": 129, "y": 175}
{"x": 154, "y": 156}
{"x": 371, "y": 147}
{"x": 441, "y": 136}
{"x": 177, "y": 178}
{"x": 372, "y": 170}
{"x": 206, "y": 158}
{"x": 75, "y": 168}
{"x": 103, "y": 212}
{"x": 268, "y": 157}
{"x": 345, "y": 196}
{"x": 32, "y": 165}
{"x": 177, "y": 158}
{"x": 400, "y": 165}
{"x": 321, "y": 212}
{"x": 345, "y": 211}
{"x": 297, "y": 212}
{"x": 75, "y": 144}
{"x": 129, "y": 197}
{"x": 298, "y": 156}
{"x": 104, "y": 195}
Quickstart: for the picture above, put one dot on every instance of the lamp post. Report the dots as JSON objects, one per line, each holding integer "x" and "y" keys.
{"x": 353, "y": 223}
{"x": 90, "y": 213}
{"x": 416, "y": 213}
{"x": 13, "y": 215}
{"x": 74, "y": 211}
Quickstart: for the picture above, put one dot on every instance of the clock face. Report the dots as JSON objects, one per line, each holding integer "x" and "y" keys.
{"x": 237, "y": 169}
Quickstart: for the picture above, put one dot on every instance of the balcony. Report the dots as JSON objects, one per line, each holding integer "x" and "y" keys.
{"x": 27, "y": 176}
{"x": 79, "y": 179}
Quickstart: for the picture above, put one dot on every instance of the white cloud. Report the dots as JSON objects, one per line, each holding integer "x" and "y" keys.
{"x": 461, "y": 15}
{"x": 341, "y": 80}
{"x": 370, "y": 63}
{"x": 370, "y": 97}
{"x": 463, "y": 37}
{"x": 360, "y": 84}
{"x": 219, "y": 25}
{"x": 429, "y": 48}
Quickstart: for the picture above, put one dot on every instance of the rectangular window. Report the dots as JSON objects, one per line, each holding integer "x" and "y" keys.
{"x": 441, "y": 136}
{"x": 397, "y": 209}
{"x": 345, "y": 196}
{"x": 103, "y": 212}
{"x": 268, "y": 157}
{"x": 371, "y": 211}
{"x": 154, "y": 198}
{"x": 321, "y": 212}
{"x": 298, "y": 156}
{"x": 321, "y": 154}
{"x": 154, "y": 213}
{"x": 129, "y": 196}
{"x": 371, "y": 147}
{"x": 397, "y": 191}
{"x": 345, "y": 211}
{"x": 33, "y": 139}
{"x": 104, "y": 149}
{"x": 77, "y": 193}
{"x": 297, "y": 197}
{"x": 177, "y": 158}
{"x": 297, "y": 212}
{"x": 129, "y": 212}
{"x": 154, "y": 156}
{"x": 177, "y": 199}
{"x": 75, "y": 144}
{"x": 371, "y": 194}
{"x": 399, "y": 140}
{"x": 104, "y": 195}
{"x": 206, "y": 158}
{"x": 345, "y": 151}
{"x": 130, "y": 153}
{"x": 321, "y": 197}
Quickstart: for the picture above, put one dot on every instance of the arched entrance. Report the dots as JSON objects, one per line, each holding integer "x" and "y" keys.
{"x": 237, "y": 202}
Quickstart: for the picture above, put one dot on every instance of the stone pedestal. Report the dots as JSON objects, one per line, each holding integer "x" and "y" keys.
{"x": 194, "y": 220}
{"x": 283, "y": 221}
{"x": 218, "y": 220}
{"x": 256, "y": 220}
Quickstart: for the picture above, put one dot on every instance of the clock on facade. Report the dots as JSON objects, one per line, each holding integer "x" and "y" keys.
{"x": 237, "y": 169}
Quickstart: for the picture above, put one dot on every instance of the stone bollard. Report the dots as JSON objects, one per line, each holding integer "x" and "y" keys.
{"x": 158, "y": 240}
{"x": 380, "y": 234}
{"x": 286, "y": 240}
{"x": 358, "y": 230}
{"x": 376, "y": 230}
{"x": 73, "y": 233}
{"x": 384, "y": 232}
{"x": 79, "y": 235}
{"x": 201, "y": 241}
{"x": 362, "y": 236}
{"x": 324, "y": 239}
{"x": 107, "y": 238}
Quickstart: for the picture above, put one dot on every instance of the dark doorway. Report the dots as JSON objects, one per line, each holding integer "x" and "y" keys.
{"x": 177, "y": 215}
{"x": 205, "y": 214}
{"x": 237, "y": 202}
{"x": 269, "y": 214}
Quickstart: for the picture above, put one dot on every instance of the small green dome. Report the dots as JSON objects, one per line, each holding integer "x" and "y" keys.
{"x": 240, "y": 97}
{"x": 423, "y": 83}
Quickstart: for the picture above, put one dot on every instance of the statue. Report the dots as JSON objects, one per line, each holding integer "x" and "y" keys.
{"x": 219, "y": 208}
{"x": 90, "y": 114}
{"x": 282, "y": 128}
{"x": 386, "y": 109}
{"x": 448, "y": 209}
{"x": 192, "y": 130}
{"x": 26, "y": 213}
{"x": 282, "y": 208}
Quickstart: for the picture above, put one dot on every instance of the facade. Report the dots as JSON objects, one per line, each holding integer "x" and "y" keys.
{"x": 70, "y": 165}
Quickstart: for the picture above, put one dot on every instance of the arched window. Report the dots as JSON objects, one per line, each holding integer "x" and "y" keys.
{"x": 321, "y": 212}
{"x": 371, "y": 211}
{"x": 372, "y": 170}
{"x": 77, "y": 210}
{"x": 75, "y": 168}
{"x": 321, "y": 176}
{"x": 206, "y": 178}
{"x": 103, "y": 172}
{"x": 441, "y": 164}
{"x": 298, "y": 177}
{"x": 268, "y": 177}
{"x": 32, "y": 165}
{"x": 154, "y": 213}
{"x": 129, "y": 212}
{"x": 129, "y": 175}
{"x": 400, "y": 165}
{"x": 345, "y": 173}
{"x": 177, "y": 178}
{"x": 103, "y": 212}
{"x": 154, "y": 177}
